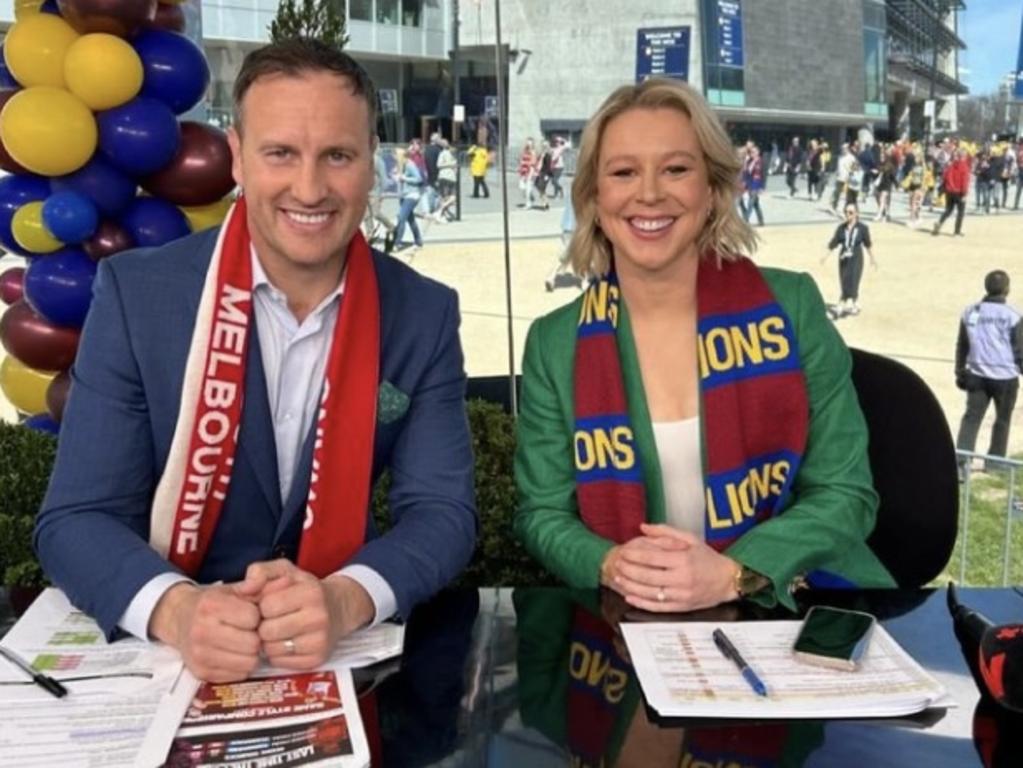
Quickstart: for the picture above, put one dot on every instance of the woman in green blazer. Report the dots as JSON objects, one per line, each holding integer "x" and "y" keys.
{"x": 689, "y": 432}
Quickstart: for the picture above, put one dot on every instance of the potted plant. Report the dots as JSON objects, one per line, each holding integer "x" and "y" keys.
{"x": 26, "y": 459}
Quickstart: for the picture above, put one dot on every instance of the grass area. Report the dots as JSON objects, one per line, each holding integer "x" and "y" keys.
{"x": 986, "y": 535}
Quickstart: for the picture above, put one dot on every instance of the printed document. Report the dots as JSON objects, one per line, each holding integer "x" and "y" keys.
{"x": 683, "y": 674}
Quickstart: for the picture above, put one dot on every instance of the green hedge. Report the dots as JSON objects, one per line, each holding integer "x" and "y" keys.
{"x": 26, "y": 459}
{"x": 500, "y": 559}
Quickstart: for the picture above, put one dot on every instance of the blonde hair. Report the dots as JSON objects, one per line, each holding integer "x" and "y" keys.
{"x": 725, "y": 233}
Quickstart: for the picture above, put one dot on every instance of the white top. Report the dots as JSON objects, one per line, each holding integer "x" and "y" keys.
{"x": 678, "y": 449}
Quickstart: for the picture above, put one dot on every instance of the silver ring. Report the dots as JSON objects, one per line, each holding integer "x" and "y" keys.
{"x": 289, "y": 647}
{"x": 660, "y": 595}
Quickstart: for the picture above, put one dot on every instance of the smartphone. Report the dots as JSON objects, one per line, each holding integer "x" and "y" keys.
{"x": 834, "y": 637}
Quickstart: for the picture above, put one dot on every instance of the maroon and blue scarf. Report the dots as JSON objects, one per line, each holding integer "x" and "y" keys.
{"x": 753, "y": 404}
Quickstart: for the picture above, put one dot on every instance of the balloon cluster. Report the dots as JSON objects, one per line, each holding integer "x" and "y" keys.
{"x": 90, "y": 93}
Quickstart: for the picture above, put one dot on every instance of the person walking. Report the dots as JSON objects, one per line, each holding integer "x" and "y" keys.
{"x": 989, "y": 360}
{"x": 447, "y": 181}
{"x": 955, "y": 181}
{"x": 794, "y": 157}
{"x": 558, "y": 166}
{"x": 813, "y": 170}
{"x": 845, "y": 165}
{"x": 753, "y": 184}
{"x": 854, "y": 237}
{"x": 527, "y": 174}
{"x": 479, "y": 159}
{"x": 412, "y": 184}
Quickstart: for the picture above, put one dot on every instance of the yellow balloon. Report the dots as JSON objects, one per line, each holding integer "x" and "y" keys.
{"x": 35, "y": 49}
{"x": 48, "y": 130}
{"x": 23, "y": 8}
{"x": 24, "y": 387}
{"x": 205, "y": 216}
{"x": 30, "y": 232}
{"x": 103, "y": 71}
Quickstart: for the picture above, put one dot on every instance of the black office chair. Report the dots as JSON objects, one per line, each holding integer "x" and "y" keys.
{"x": 913, "y": 460}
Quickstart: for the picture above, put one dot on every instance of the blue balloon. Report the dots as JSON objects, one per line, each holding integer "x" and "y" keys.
{"x": 59, "y": 286}
{"x": 7, "y": 81}
{"x": 175, "y": 68}
{"x": 70, "y": 216}
{"x": 139, "y": 137}
{"x": 42, "y": 422}
{"x": 99, "y": 181}
{"x": 152, "y": 221}
{"x": 50, "y": 6}
{"x": 16, "y": 190}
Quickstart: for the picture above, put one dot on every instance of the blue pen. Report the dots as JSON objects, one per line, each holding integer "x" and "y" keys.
{"x": 729, "y": 652}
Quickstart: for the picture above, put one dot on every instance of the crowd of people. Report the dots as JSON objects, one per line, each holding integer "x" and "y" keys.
{"x": 936, "y": 177}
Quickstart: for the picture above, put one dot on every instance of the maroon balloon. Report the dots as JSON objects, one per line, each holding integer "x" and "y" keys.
{"x": 109, "y": 239}
{"x": 56, "y": 395}
{"x": 169, "y": 17}
{"x": 7, "y": 162}
{"x": 12, "y": 285}
{"x": 35, "y": 341}
{"x": 116, "y": 17}
{"x": 200, "y": 172}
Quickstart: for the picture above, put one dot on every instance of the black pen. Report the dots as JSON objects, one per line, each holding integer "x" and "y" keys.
{"x": 45, "y": 682}
{"x": 729, "y": 652}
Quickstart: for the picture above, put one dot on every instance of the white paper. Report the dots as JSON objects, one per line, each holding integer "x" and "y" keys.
{"x": 103, "y": 720}
{"x": 683, "y": 674}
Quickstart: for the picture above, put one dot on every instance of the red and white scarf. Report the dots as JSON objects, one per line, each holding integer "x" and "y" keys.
{"x": 196, "y": 479}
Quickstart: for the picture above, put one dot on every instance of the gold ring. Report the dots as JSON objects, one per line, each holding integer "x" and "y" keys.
{"x": 289, "y": 647}
{"x": 660, "y": 595}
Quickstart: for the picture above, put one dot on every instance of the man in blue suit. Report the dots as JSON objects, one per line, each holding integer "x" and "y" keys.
{"x": 237, "y": 392}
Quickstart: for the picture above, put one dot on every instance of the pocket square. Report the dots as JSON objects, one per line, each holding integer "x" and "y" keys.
{"x": 391, "y": 403}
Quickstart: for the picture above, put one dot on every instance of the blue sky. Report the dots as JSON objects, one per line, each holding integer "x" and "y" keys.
{"x": 990, "y": 29}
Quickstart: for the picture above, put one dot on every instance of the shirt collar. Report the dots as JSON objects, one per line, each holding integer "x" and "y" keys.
{"x": 261, "y": 282}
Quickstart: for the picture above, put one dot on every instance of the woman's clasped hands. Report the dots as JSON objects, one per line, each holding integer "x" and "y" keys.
{"x": 668, "y": 570}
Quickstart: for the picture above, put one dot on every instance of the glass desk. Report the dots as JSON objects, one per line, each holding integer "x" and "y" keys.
{"x": 486, "y": 680}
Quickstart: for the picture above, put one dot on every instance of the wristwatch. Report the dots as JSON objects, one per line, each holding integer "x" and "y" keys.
{"x": 748, "y": 582}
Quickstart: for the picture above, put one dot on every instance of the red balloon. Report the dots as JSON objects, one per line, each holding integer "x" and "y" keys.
{"x": 35, "y": 341}
{"x": 7, "y": 162}
{"x": 116, "y": 17}
{"x": 56, "y": 395}
{"x": 200, "y": 172}
{"x": 169, "y": 17}
{"x": 12, "y": 285}
{"x": 109, "y": 239}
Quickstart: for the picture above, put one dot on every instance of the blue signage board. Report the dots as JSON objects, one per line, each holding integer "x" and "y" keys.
{"x": 662, "y": 52}
{"x": 1017, "y": 91}
{"x": 728, "y": 26}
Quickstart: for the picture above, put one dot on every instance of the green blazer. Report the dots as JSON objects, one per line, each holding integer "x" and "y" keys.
{"x": 829, "y": 513}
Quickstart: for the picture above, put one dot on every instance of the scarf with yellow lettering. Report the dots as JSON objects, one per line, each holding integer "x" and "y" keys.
{"x": 753, "y": 406}
{"x": 197, "y": 476}
{"x": 598, "y": 681}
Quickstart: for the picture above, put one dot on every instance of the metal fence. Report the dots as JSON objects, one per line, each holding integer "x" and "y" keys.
{"x": 990, "y": 521}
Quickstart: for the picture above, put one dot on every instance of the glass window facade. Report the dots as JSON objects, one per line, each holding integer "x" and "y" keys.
{"x": 723, "y": 51}
{"x": 360, "y": 10}
{"x": 875, "y": 58}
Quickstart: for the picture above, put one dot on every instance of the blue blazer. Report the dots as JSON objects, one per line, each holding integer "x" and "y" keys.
{"x": 92, "y": 532}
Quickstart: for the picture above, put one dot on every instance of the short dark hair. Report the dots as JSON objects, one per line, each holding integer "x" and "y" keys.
{"x": 997, "y": 283}
{"x": 296, "y": 56}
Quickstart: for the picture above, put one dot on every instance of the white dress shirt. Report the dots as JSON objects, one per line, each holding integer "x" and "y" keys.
{"x": 294, "y": 359}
